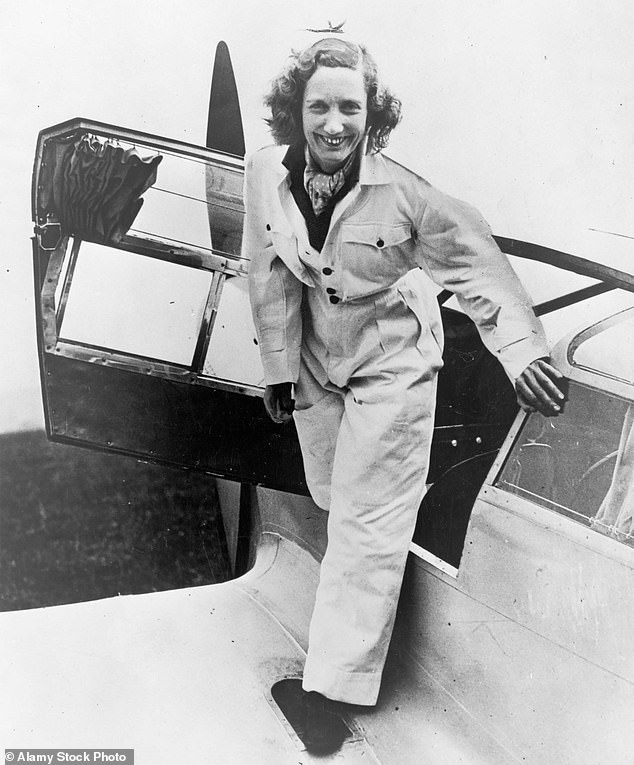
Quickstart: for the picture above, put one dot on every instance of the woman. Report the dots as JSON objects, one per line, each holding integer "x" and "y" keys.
{"x": 333, "y": 230}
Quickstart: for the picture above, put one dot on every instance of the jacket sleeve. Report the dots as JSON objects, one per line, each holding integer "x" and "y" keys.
{"x": 275, "y": 293}
{"x": 459, "y": 253}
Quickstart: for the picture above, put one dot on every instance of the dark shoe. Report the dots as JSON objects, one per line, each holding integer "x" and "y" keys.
{"x": 323, "y": 731}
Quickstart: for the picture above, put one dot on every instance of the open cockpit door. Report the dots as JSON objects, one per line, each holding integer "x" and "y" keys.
{"x": 145, "y": 335}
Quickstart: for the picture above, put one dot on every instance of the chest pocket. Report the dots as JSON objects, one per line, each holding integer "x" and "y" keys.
{"x": 375, "y": 255}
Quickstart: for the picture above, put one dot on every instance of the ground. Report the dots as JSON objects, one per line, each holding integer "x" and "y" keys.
{"x": 78, "y": 525}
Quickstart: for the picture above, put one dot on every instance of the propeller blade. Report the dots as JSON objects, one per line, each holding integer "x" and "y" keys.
{"x": 224, "y": 122}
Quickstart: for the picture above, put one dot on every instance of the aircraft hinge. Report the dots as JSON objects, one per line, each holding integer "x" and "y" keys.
{"x": 49, "y": 235}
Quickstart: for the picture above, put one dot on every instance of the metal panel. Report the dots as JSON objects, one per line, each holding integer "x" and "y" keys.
{"x": 540, "y": 700}
{"x": 572, "y": 586}
{"x": 176, "y": 423}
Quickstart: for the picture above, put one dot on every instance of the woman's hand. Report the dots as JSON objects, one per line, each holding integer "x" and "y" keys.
{"x": 539, "y": 388}
{"x": 278, "y": 402}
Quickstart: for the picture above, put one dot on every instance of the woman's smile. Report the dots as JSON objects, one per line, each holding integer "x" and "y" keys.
{"x": 331, "y": 141}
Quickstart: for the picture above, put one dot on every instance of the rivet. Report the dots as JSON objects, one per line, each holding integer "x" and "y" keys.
{"x": 454, "y": 442}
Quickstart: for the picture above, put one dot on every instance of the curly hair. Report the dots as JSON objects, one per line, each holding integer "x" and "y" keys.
{"x": 287, "y": 91}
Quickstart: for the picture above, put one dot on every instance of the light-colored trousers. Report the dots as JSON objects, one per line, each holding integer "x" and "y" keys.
{"x": 365, "y": 402}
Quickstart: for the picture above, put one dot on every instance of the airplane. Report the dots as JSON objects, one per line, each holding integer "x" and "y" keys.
{"x": 512, "y": 643}
{"x": 330, "y": 29}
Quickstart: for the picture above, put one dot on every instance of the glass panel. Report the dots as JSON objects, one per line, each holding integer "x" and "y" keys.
{"x": 175, "y": 207}
{"x": 135, "y": 304}
{"x": 233, "y": 351}
{"x": 194, "y": 202}
{"x": 608, "y": 348}
{"x": 568, "y": 463}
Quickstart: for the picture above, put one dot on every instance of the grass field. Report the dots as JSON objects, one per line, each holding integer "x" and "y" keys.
{"x": 77, "y": 525}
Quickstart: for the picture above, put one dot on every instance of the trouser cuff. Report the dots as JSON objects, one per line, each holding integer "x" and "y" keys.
{"x": 339, "y": 685}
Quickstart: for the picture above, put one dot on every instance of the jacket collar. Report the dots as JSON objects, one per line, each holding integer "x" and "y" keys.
{"x": 372, "y": 171}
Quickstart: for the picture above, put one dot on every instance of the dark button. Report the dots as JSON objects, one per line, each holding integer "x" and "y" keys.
{"x": 268, "y": 226}
{"x": 330, "y": 291}
{"x": 326, "y": 271}
{"x": 334, "y": 299}
{"x": 379, "y": 242}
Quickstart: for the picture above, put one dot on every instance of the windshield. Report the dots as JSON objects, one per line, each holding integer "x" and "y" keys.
{"x": 580, "y": 464}
{"x": 605, "y": 348}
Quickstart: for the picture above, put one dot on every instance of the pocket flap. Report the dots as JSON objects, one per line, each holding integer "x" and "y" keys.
{"x": 377, "y": 234}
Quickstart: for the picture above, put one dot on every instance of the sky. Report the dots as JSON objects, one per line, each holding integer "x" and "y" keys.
{"x": 525, "y": 109}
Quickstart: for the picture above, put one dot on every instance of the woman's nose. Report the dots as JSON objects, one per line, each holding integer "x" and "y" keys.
{"x": 334, "y": 123}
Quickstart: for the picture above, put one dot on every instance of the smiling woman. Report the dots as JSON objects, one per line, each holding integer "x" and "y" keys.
{"x": 345, "y": 248}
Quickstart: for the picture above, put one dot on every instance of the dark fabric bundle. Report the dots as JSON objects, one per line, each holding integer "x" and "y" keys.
{"x": 93, "y": 186}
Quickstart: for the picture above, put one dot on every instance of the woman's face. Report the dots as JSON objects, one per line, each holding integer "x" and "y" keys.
{"x": 334, "y": 114}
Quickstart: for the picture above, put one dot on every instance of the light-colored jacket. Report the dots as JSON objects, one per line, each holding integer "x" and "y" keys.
{"x": 392, "y": 221}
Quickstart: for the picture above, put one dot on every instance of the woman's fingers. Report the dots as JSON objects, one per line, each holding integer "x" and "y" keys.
{"x": 538, "y": 388}
{"x": 283, "y": 416}
{"x": 548, "y": 377}
{"x": 278, "y": 402}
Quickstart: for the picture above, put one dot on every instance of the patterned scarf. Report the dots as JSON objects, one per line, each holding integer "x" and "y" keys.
{"x": 322, "y": 187}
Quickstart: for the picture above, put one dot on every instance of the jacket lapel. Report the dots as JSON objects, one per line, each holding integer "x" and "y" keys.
{"x": 288, "y": 227}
